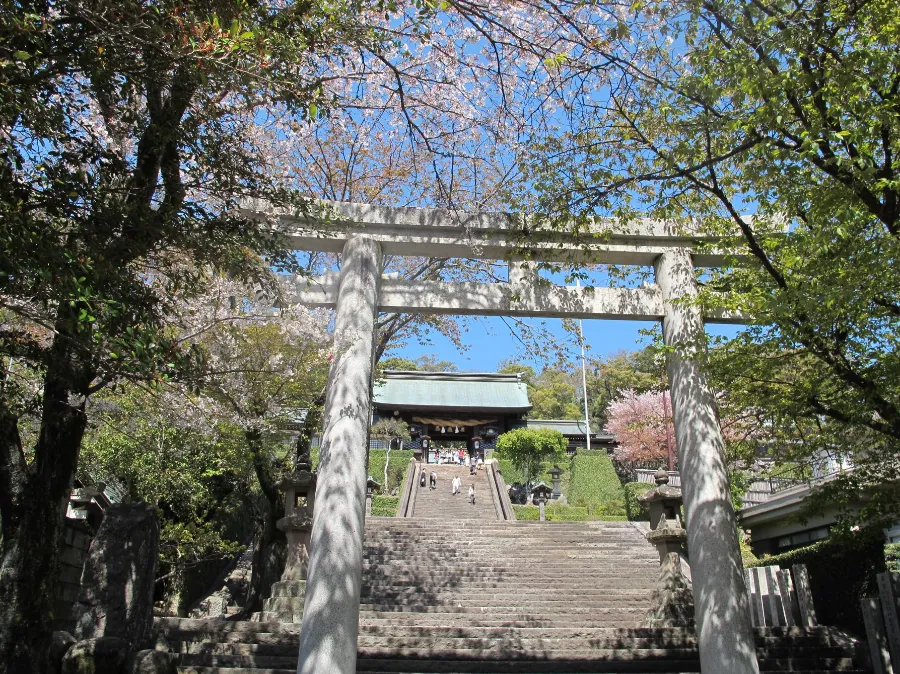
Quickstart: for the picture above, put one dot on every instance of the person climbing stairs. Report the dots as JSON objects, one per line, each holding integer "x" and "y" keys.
{"x": 440, "y": 502}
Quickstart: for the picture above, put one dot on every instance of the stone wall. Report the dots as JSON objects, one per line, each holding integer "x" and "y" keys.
{"x": 76, "y": 539}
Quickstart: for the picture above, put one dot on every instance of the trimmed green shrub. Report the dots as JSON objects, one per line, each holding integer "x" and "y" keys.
{"x": 385, "y": 506}
{"x": 588, "y": 480}
{"x": 509, "y": 472}
{"x": 593, "y": 480}
{"x": 561, "y": 513}
{"x": 633, "y": 509}
{"x": 892, "y": 557}
{"x": 841, "y": 571}
{"x": 532, "y": 451}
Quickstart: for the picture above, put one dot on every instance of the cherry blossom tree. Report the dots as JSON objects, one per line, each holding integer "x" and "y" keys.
{"x": 644, "y": 430}
{"x": 264, "y": 368}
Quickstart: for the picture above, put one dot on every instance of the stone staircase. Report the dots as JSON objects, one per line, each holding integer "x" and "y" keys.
{"x": 465, "y": 595}
{"x": 441, "y": 503}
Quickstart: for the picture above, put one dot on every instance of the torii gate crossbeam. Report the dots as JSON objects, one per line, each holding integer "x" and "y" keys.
{"x": 328, "y": 637}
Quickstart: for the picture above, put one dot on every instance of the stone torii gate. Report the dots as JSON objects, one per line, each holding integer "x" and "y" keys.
{"x": 363, "y": 234}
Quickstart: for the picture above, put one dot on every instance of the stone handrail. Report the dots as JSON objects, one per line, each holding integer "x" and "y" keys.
{"x": 499, "y": 492}
{"x": 408, "y": 501}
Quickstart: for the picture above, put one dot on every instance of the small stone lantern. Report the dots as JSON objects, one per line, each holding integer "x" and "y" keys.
{"x": 555, "y": 474}
{"x": 299, "y": 499}
{"x": 664, "y": 503}
{"x": 672, "y": 600}
{"x": 540, "y": 494}
{"x": 420, "y": 454}
{"x": 476, "y": 446}
{"x": 288, "y": 595}
{"x": 371, "y": 486}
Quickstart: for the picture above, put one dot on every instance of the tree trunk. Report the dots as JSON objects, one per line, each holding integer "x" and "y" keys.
{"x": 33, "y": 507}
{"x": 264, "y": 558}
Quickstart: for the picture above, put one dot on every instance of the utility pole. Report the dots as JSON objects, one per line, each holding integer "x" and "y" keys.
{"x": 587, "y": 423}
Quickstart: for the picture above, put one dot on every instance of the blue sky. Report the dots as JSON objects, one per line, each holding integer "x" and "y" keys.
{"x": 490, "y": 341}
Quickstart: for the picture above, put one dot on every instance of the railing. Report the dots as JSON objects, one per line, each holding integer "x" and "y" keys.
{"x": 649, "y": 476}
{"x": 408, "y": 501}
{"x": 764, "y": 488}
{"x": 500, "y": 492}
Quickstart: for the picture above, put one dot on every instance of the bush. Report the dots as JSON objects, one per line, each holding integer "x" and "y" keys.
{"x": 609, "y": 509}
{"x": 841, "y": 571}
{"x": 531, "y": 450}
{"x": 385, "y": 506}
{"x": 892, "y": 557}
{"x": 633, "y": 509}
{"x": 396, "y": 471}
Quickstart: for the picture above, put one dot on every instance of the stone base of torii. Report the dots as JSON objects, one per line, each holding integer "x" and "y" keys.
{"x": 328, "y": 636}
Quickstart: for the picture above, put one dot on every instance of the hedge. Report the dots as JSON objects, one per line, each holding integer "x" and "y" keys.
{"x": 842, "y": 570}
{"x": 385, "y": 506}
{"x": 593, "y": 480}
{"x": 396, "y": 471}
{"x": 633, "y": 509}
{"x": 589, "y": 480}
{"x": 561, "y": 513}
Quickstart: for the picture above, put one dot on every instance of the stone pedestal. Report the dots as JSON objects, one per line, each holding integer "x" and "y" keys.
{"x": 673, "y": 598}
{"x": 286, "y": 603}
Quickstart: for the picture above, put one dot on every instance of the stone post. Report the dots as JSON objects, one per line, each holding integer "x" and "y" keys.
{"x": 116, "y": 598}
{"x": 330, "y": 624}
{"x": 371, "y": 486}
{"x": 722, "y": 612}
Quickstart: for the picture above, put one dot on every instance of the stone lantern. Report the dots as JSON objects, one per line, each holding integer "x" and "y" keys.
{"x": 286, "y": 603}
{"x": 664, "y": 503}
{"x": 555, "y": 474}
{"x": 421, "y": 453}
{"x": 371, "y": 486}
{"x": 476, "y": 446}
{"x": 673, "y": 601}
{"x": 540, "y": 494}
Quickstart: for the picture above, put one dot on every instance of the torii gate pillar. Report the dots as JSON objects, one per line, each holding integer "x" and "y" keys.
{"x": 330, "y": 626}
{"x": 724, "y": 631}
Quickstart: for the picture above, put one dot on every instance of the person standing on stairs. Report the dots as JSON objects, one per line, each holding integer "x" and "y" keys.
{"x": 472, "y": 494}
{"x": 457, "y": 485}
{"x": 422, "y": 479}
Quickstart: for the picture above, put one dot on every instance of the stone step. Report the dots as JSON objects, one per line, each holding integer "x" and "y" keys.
{"x": 449, "y": 667}
{"x": 407, "y": 593}
{"x": 181, "y": 629}
{"x": 526, "y": 647}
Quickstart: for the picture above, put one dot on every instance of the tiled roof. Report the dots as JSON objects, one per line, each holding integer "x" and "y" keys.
{"x": 463, "y": 391}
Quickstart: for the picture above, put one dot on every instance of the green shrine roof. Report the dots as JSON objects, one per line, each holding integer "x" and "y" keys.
{"x": 463, "y": 391}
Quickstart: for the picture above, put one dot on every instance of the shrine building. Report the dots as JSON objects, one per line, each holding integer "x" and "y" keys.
{"x": 452, "y": 411}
